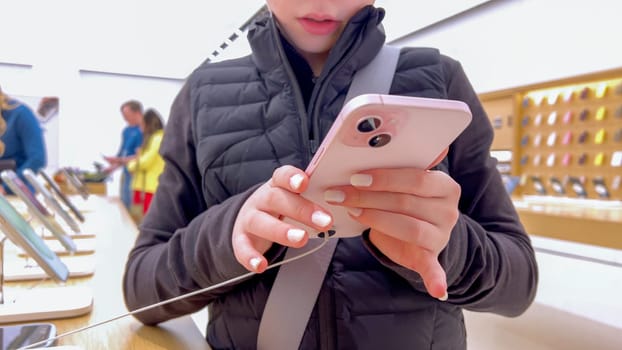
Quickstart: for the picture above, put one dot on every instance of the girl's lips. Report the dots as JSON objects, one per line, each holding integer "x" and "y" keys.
{"x": 319, "y": 27}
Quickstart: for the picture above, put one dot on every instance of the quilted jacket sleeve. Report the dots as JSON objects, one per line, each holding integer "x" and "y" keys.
{"x": 489, "y": 260}
{"x": 183, "y": 245}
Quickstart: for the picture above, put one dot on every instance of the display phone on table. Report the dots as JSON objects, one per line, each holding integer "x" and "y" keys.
{"x": 22, "y": 235}
{"x": 37, "y": 209}
{"x": 21, "y": 335}
{"x": 50, "y": 182}
{"x": 74, "y": 181}
{"x": 50, "y": 200}
{"x": 376, "y": 131}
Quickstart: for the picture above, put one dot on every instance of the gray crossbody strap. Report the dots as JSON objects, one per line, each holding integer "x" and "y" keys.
{"x": 298, "y": 283}
{"x": 377, "y": 76}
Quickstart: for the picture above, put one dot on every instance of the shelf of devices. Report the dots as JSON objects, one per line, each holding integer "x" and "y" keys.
{"x": 564, "y": 170}
{"x": 35, "y": 304}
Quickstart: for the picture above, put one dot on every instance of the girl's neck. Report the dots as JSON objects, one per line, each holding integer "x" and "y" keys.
{"x": 315, "y": 61}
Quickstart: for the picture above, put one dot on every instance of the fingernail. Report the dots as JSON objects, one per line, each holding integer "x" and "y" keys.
{"x": 295, "y": 235}
{"x": 320, "y": 218}
{"x": 334, "y": 196}
{"x": 355, "y": 211}
{"x": 444, "y": 297}
{"x": 295, "y": 181}
{"x": 255, "y": 263}
{"x": 361, "y": 180}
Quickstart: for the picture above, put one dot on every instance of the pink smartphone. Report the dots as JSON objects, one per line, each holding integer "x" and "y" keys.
{"x": 380, "y": 131}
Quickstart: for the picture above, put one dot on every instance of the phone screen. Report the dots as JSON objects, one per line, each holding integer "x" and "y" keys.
{"x": 36, "y": 209}
{"x": 14, "y": 219}
{"x": 21, "y": 233}
{"x": 62, "y": 196}
{"x": 601, "y": 187}
{"x": 578, "y": 187}
{"x": 28, "y": 195}
{"x": 538, "y": 185}
{"x": 557, "y": 185}
{"x": 50, "y": 200}
{"x": 75, "y": 182}
{"x": 18, "y": 336}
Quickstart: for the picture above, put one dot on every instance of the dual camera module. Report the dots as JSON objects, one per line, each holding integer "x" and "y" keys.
{"x": 369, "y": 125}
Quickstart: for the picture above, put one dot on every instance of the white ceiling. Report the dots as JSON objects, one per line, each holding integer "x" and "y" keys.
{"x": 156, "y": 37}
{"x": 406, "y": 16}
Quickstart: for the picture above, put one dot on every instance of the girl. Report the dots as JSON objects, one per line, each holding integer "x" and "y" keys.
{"x": 148, "y": 165}
{"x": 243, "y": 130}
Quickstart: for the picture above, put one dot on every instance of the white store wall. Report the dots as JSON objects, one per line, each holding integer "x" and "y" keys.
{"x": 508, "y": 43}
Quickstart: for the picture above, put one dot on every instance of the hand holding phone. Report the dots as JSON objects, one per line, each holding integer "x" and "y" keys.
{"x": 379, "y": 132}
{"x": 372, "y": 173}
{"x": 430, "y": 125}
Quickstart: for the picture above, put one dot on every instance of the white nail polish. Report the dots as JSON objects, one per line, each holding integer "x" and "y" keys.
{"x": 255, "y": 263}
{"x": 444, "y": 297}
{"x": 320, "y": 218}
{"x": 334, "y": 196}
{"x": 361, "y": 180}
{"x": 295, "y": 235}
{"x": 295, "y": 181}
{"x": 355, "y": 211}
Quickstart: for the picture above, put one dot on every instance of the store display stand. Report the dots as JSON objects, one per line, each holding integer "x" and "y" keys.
{"x": 46, "y": 303}
{"x": 2, "y": 269}
{"x": 73, "y": 235}
{"x": 83, "y": 247}
{"x": 42, "y": 303}
{"x": 79, "y": 266}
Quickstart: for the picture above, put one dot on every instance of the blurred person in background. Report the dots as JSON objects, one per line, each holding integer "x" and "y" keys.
{"x": 22, "y": 145}
{"x": 131, "y": 139}
{"x": 148, "y": 164}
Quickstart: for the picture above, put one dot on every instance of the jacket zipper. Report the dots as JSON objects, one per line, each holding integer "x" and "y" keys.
{"x": 327, "y": 337}
{"x": 314, "y": 140}
{"x": 300, "y": 105}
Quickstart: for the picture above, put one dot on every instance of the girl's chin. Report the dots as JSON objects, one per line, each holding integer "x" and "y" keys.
{"x": 316, "y": 47}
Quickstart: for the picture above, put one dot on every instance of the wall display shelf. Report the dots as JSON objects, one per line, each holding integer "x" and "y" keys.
{"x": 587, "y": 148}
{"x": 567, "y": 143}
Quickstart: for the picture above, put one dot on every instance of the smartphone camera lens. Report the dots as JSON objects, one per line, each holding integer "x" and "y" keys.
{"x": 379, "y": 140}
{"x": 369, "y": 124}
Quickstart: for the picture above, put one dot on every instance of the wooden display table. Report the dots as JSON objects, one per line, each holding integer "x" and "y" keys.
{"x": 99, "y": 188}
{"x": 584, "y": 221}
{"x": 115, "y": 235}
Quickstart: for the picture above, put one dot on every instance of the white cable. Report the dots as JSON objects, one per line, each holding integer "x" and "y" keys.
{"x": 177, "y": 298}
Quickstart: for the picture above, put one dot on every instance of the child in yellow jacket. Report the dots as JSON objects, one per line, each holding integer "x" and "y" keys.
{"x": 148, "y": 164}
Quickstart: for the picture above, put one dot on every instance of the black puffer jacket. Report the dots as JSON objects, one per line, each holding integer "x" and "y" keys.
{"x": 234, "y": 122}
